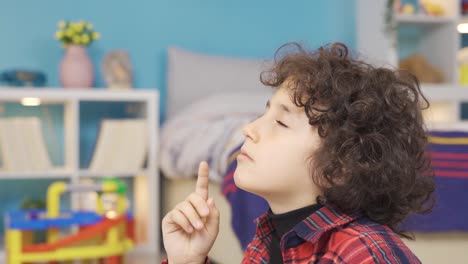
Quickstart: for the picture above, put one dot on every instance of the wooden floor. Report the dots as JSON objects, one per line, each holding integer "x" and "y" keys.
{"x": 143, "y": 259}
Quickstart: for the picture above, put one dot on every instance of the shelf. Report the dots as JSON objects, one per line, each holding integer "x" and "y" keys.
{"x": 423, "y": 19}
{"x": 55, "y": 95}
{"x": 445, "y": 92}
{"x": 58, "y": 173}
{"x": 63, "y": 173}
{"x": 75, "y": 103}
{"x": 463, "y": 19}
{"x": 118, "y": 174}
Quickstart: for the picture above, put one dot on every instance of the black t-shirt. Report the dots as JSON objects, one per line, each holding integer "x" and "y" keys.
{"x": 282, "y": 224}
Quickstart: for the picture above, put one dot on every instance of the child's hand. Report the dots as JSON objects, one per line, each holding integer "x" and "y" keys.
{"x": 190, "y": 229}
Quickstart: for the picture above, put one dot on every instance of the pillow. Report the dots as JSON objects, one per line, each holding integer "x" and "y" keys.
{"x": 208, "y": 129}
{"x": 192, "y": 76}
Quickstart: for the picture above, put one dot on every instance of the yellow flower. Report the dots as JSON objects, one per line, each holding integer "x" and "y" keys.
{"x": 58, "y": 34}
{"x": 69, "y": 33}
{"x": 96, "y": 35}
{"x": 79, "y": 27}
{"x": 85, "y": 39}
{"x": 62, "y": 24}
{"x": 72, "y": 26}
{"x": 76, "y": 33}
{"x": 76, "y": 39}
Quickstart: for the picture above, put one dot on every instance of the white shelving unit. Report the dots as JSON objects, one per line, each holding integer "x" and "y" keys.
{"x": 145, "y": 181}
{"x": 437, "y": 39}
{"x": 423, "y": 19}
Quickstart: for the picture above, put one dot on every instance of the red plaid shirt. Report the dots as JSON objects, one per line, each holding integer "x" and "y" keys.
{"x": 329, "y": 236}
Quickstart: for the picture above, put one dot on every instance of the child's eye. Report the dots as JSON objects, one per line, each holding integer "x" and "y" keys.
{"x": 281, "y": 123}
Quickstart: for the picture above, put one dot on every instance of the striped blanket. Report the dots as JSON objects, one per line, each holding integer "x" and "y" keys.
{"x": 449, "y": 157}
{"x": 449, "y": 153}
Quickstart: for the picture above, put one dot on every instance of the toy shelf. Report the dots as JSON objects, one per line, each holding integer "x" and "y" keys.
{"x": 118, "y": 174}
{"x": 454, "y": 93}
{"x": 63, "y": 173}
{"x": 424, "y": 19}
{"x": 445, "y": 106}
{"x": 145, "y": 181}
{"x": 434, "y": 37}
{"x": 463, "y": 18}
{"x": 57, "y": 173}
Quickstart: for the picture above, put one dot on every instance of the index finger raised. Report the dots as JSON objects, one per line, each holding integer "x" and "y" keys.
{"x": 202, "y": 180}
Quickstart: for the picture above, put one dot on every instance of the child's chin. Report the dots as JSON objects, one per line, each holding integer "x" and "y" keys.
{"x": 240, "y": 180}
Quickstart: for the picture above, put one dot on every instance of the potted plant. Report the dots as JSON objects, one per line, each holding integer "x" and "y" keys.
{"x": 76, "y": 68}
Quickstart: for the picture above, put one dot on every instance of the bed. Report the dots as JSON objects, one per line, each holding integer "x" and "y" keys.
{"x": 209, "y": 98}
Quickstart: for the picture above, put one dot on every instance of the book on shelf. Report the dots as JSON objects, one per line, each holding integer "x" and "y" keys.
{"x": 122, "y": 145}
{"x": 22, "y": 145}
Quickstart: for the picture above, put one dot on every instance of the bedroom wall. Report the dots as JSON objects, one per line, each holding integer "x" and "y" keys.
{"x": 146, "y": 28}
{"x": 238, "y": 28}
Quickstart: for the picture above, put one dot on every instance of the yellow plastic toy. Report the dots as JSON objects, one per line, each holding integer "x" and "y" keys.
{"x": 98, "y": 236}
{"x": 408, "y": 9}
{"x": 432, "y": 8}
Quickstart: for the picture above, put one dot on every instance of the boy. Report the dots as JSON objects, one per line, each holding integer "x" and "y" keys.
{"x": 339, "y": 157}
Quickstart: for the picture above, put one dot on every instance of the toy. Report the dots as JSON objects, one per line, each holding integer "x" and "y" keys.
{"x": 29, "y": 203}
{"x": 426, "y": 7}
{"x": 431, "y": 8}
{"x": 401, "y": 8}
{"x": 395, "y": 5}
{"x": 418, "y": 65}
{"x": 408, "y": 9}
{"x": 464, "y": 7}
{"x": 23, "y": 78}
{"x": 117, "y": 70}
{"x": 462, "y": 60}
{"x": 99, "y": 235}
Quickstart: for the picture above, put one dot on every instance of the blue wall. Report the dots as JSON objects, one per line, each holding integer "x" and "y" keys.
{"x": 146, "y": 28}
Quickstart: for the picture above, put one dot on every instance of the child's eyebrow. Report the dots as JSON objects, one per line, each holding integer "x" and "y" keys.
{"x": 284, "y": 107}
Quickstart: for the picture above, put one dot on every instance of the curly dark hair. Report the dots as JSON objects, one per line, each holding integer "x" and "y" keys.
{"x": 372, "y": 156}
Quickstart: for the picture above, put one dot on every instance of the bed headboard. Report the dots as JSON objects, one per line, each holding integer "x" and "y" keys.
{"x": 192, "y": 76}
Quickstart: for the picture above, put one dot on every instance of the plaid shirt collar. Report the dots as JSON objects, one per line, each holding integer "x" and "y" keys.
{"x": 311, "y": 228}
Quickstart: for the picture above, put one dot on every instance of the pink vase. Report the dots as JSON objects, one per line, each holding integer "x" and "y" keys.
{"x": 76, "y": 68}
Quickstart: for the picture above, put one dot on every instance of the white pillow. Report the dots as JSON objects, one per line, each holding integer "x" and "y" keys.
{"x": 192, "y": 76}
{"x": 208, "y": 129}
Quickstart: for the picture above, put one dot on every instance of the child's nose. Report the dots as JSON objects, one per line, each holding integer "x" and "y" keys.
{"x": 250, "y": 132}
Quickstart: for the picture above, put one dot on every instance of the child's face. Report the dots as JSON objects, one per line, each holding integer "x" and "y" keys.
{"x": 278, "y": 167}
